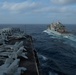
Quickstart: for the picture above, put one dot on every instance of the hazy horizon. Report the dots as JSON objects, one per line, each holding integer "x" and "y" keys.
{"x": 33, "y": 24}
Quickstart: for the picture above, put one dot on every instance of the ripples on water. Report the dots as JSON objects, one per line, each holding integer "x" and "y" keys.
{"x": 57, "y": 56}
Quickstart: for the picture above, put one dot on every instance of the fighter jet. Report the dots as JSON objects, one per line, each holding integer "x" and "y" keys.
{"x": 16, "y": 46}
{"x": 11, "y": 67}
{"x": 14, "y": 50}
{"x": 3, "y": 38}
{"x": 8, "y": 68}
{"x": 18, "y": 35}
{"x": 20, "y": 53}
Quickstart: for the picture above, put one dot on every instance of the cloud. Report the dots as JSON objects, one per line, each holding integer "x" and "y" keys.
{"x": 36, "y": 7}
{"x": 64, "y": 9}
{"x": 63, "y": 2}
{"x": 18, "y": 7}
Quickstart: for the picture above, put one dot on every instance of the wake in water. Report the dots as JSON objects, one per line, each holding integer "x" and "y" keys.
{"x": 68, "y": 39}
{"x": 42, "y": 57}
{"x": 69, "y": 42}
{"x": 52, "y": 73}
{"x": 44, "y": 60}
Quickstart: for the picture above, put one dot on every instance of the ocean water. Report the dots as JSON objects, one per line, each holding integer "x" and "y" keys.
{"x": 57, "y": 56}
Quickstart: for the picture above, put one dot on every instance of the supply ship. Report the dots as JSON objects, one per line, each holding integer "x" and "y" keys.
{"x": 58, "y": 29}
{"x": 17, "y": 53}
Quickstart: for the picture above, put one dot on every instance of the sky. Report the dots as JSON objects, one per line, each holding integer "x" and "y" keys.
{"x": 37, "y": 11}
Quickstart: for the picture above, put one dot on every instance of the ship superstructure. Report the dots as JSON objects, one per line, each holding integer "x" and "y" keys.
{"x": 59, "y": 29}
